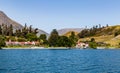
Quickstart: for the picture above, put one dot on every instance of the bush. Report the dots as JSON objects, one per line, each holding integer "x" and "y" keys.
{"x": 2, "y": 41}
{"x": 93, "y": 45}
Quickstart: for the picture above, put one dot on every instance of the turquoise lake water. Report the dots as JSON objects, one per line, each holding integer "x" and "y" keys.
{"x": 60, "y": 61}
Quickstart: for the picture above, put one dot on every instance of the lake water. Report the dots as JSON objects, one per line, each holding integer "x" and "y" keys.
{"x": 60, "y": 61}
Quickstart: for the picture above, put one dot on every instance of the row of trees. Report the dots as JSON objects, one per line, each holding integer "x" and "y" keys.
{"x": 30, "y": 34}
{"x": 6, "y": 30}
{"x": 91, "y": 32}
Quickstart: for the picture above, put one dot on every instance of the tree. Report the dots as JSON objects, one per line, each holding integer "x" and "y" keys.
{"x": 2, "y": 41}
{"x": 92, "y": 40}
{"x": 5, "y": 30}
{"x": 31, "y": 37}
{"x": 30, "y": 29}
{"x": 107, "y": 25}
{"x": 43, "y": 38}
{"x": 92, "y": 43}
{"x": 36, "y": 31}
{"x": 10, "y": 30}
{"x": 21, "y": 40}
{"x": 53, "y": 38}
{"x": 0, "y": 30}
{"x": 18, "y": 33}
{"x": 64, "y": 41}
{"x": 24, "y": 31}
{"x": 73, "y": 38}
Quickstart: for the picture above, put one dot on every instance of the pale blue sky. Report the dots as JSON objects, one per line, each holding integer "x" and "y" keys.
{"x": 50, "y": 14}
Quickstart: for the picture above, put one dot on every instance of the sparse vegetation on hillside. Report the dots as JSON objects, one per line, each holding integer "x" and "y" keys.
{"x": 108, "y": 35}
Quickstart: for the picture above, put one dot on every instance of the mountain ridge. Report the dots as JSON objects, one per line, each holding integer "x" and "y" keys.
{"x": 4, "y": 19}
{"x": 66, "y": 30}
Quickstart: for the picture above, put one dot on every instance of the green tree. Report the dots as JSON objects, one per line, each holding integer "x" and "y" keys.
{"x": 24, "y": 31}
{"x": 5, "y": 30}
{"x": 18, "y": 33}
{"x": 2, "y": 41}
{"x": 0, "y": 30}
{"x": 92, "y": 43}
{"x": 30, "y": 29}
{"x": 31, "y": 37}
{"x": 64, "y": 41}
{"x": 73, "y": 38}
{"x": 36, "y": 31}
{"x": 92, "y": 40}
{"x": 21, "y": 40}
{"x": 43, "y": 38}
{"x": 10, "y": 30}
{"x": 53, "y": 38}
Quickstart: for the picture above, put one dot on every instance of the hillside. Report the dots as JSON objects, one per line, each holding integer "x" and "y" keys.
{"x": 4, "y": 19}
{"x": 106, "y": 35}
{"x": 69, "y": 33}
{"x": 67, "y": 30}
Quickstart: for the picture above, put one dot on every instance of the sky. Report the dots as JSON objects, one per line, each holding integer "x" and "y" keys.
{"x": 58, "y": 14}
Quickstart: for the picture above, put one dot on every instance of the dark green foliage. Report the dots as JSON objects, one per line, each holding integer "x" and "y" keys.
{"x": 92, "y": 40}
{"x": 64, "y": 41}
{"x": 0, "y": 30}
{"x": 6, "y": 30}
{"x": 93, "y": 45}
{"x": 24, "y": 31}
{"x": 21, "y": 39}
{"x": 30, "y": 29}
{"x": 90, "y": 32}
{"x": 43, "y": 39}
{"x": 2, "y": 41}
{"x": 84, "y": 33}
{"x": 12, "y": 38}
{"x": 18, "y": 33}
{"x": 117, "y": 33}
{"x": 73, "y": 38}
{"x": 36, "y": 31}
{"x": 10, "y": 30}
{"x": 53, "y": 39}
{"x": 31, "y": 37}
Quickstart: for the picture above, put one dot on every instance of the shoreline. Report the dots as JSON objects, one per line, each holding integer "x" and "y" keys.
{"x": 35, "y": 48}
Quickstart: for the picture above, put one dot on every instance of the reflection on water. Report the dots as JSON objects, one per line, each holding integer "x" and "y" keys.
{"x": 59, "y": 61}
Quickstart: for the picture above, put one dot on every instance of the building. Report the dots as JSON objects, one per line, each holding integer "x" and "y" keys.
{"x": 9, "y": 43}
{"x": 82, "y": 45}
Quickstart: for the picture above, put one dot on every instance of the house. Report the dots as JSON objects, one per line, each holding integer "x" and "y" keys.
{"x": 8, "y": 43}
{"x": 82, "y": 45}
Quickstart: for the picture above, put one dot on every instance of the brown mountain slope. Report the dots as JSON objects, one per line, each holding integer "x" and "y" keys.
{"x": 69, "y": 33}
{"x": 4, "y": 19}
{"x": 66, "y": 30}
